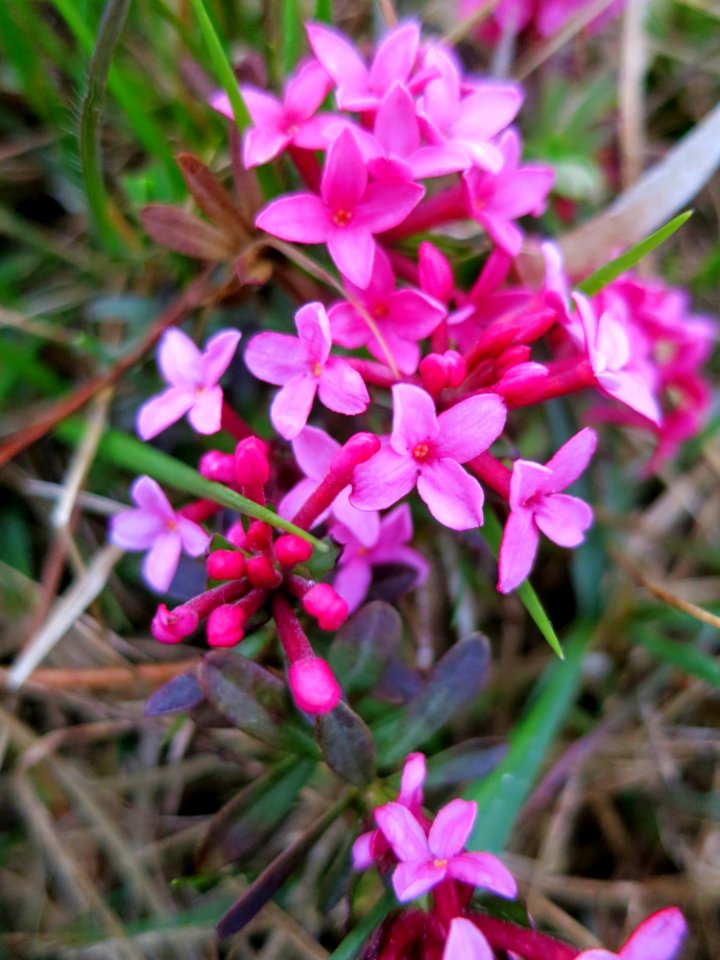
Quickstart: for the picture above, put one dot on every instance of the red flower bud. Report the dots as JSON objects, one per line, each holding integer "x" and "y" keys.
{"x": 313, "y": 685}
{"x": 225, "y": 626}
{"x": 290, "y": 549}
{"x": 225, "y": 565}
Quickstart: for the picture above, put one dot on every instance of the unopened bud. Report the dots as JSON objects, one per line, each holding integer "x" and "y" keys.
{"x": 435, "y": 273}
{"x": 261, "y": 573}
{"x": 218, "y": 466}
{"x": 326, "y": 605}
{"x": 172, "y": 626}
{"x": 225, "y": 565}
{"x": 225, "y": 626}
{"x": 313, "y": 685}
{"x": 236, "y": 535}
{"x": 291, "y": 549}
{"x": 259, "y": 536}
{"x": 252, "y": 467}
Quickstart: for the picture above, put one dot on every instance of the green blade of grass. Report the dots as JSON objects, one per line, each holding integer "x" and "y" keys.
{"x": 501, "y": 795}
{"x": 352, "y": 944}
{"x": 125, "y": 451}
{"x": 683, "y": 656}
{"x": 111, "y": 28}
{"x": 626, "y": 261}
{"x": 267, "y": 177}
{"x": 291, "y": 34}
{"x": 323, "y": 11}
{"x": 492, "y": 532}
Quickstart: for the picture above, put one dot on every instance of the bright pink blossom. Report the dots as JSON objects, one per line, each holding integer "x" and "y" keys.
{"x": 495, "y": 201}
{"x": 348, "y": 212}
{"x": 281, "y": 122}
{"x": 193, "y": 377}
{"x": 302, "y": 366}
{"x": 426, "y": 450}
{"x": 465, "y": 942}
{"x": 354, "y": 574}
{"x": 359, "y": 87}
{"x": 400, "y": 318}
{"x": 426, "y": 861}
{"x": 537, "y": 506}
{"x": 154, "y": 526}
{"x": 314, "y": 451}
{"x": 659, "y": 937}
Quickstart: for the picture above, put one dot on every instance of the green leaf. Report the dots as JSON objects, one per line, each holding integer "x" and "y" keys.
{"x": 125, "y": 451}
{"x": 681, "y": 655}
{"x": 347, "y": 745}
{"x": 353, "y": 942}
{"x": 626, "y": 261}
{"x": 291, "y": 34}
{"x": 364, "y": 645}
{"x": 501, "y": 795}
{"x": 323, "y": 11}
{"x": 492, "y": 532}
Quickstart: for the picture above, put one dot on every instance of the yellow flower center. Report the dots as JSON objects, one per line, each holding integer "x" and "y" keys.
{"x": 439, "y": 863}
{"x": 317, "y": 369}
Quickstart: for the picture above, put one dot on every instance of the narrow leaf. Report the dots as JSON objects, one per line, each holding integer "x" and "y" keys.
{"x": 492, "y": 532}
{"x": 291, "y": 34}
{"x": 684, "y": 656}
{"x": 184, "y": 233}
{"x": 210, "y": 195}
{"x": 353, "y": 942}
{"x": 347, "y": 745}
{"x": 626, "y": 261}
{"x": 364, "y": 645}
{"x": 180, "y": 694}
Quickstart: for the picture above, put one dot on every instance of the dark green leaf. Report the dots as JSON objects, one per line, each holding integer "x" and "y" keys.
{"x": 364, "y": 646}
{"x": 347, "y": 745}
{"x": 180, "y": 694}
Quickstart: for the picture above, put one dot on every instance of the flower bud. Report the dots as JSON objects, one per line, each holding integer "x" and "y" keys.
{"x": 252, "y": 467}
{"x": 434, "y": 273}
{"x": 326, "y": 606}
{"x": 313, "y": 685}
{"x": 172, "y": 626}
{"x": 225, "y": 565}
{"x": 291, "y": 549}
{"x": 218, "y": 466}
{"x": 236, "y": 535}
{"x": 225, "y": 626}
{"x": 259, "y": 536}
{"x": 261, "y": 573}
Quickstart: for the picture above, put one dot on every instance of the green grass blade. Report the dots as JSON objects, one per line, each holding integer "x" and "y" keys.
{"x": 323, "y": 11}
{"x": 291, "y": 34}
{"x": 352, "y": 944}
{"x": 626, "y": 261}
{"x": 125, "y": 451}
{"x": 224, "y": 73}
{"x": 683, "y": 656}
{"x": 492, "y": 532}
{"x": 501, "y": 795}
{"x": 111, "y": 28}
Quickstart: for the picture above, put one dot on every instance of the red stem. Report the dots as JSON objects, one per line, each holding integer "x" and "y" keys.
{"x": 200, "y": 510}
{"x": 530, "y": 944}
{"x": 492, "y": 473}
{"x": 308, "y": 166}
{"x": 444, "y": 207}
{"x": 292, "y": 636}
{"x": 206, "y": 602}
{"x": 375, "y": 373}
{"x": 234, "y": 423}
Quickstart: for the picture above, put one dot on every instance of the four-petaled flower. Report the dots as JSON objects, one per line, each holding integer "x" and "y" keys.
{"x": 426, "y": 861}
{"x": 347, "y": 213}
{"x": 302, "y": 366}
{"x": 659, "y": 937}
{"x": 193, "y": 377}
{"x": 156, "y": 527}
{"x": 537, "y": 505}
{"x": 279, "y": 123}
{"x": 427, "y": 450}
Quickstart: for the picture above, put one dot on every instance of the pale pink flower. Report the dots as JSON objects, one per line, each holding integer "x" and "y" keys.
{"x": 426, "y": 450}
{"x": 360, "y": 88}
{"x": 659, "y": 937}
{"x": 281, "y": 122}
{"x": 153, "y": 525}
{"x": 537, "y": 506}
{"x": 348, "y": 212}
{"x": 469, "y": 123}
{"x": 314, "y": 451}
{"x": 426, "y": 861}
{"x": 465, "y": 942}
{"x": 302, "y": 366}
{"x": 354, "y": 573}
{"x": 401, "y": 318}
{"x": 495, "y": 201}
{"x": 193, "y": 378}
{"x": 609, "y": 350}
{"x": 370, "y": 846}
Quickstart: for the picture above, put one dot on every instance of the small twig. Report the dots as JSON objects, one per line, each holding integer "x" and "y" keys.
{"x": 467, "y": 26}
{"x": 145, "y": 675}
{"x": 544, "y": 50}
{"x": 388, "y": 13}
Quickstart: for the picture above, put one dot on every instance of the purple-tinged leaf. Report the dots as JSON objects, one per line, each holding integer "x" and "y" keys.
{"x": 364, "y": 645}
{"x": 347, "y": 745}
{"x": 179, "y": 695}
{"x": 209, "y": 194}
{"x": 182, "y": 232}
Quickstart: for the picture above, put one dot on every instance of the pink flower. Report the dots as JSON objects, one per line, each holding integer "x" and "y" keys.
{"x": 370, "y": 846}
{"x": 536, "y": 505}
{"x": 314, "y": 451}
{"x": 302, "y": 366}
{"x": 354, "y": 574}
{"x": 156, "y": 527}
{"x": 400, "y": 318}
{"x": 465, "y": 942}
{"x": 426, "y": 861}
{"x": 360, "y": 88}
{"x": 659, "y": 937}
{"x": 496, "y": 200}
{"x": 427, "y": 450}
{"x": 193, "y": 379}
{"x": 609, "y": 350}
{"x": 347, "y": 213}
{"x": 279, "y": 123}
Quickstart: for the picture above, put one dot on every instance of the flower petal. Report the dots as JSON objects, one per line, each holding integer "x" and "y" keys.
{"x": 306, "y": 90}
{"x": 217, "y": 355}
{"x": 346, "y": 325}
{"x": 363, "y": 524}
{"x": 413, "y": 778}
{"x": 451, "y": 828}
{"x": 135, "y": 529}
{"x": 527, "y": 481}
{"x": 487, "y": 111}
{"x": 363, "y": 850}
{"x": 517, "y": 549}
{"x": 314, "y": 450}
{"x": 453, "y": 497}
{"x": 205, "y": 415}
{"x": 338, "y": 57}
{"x": 571, "y": 460}
{"x": 291, "y": 407}
{"x": 465, "y": 942}
{"x": 275, "y": 357}
{"x": 296, "y": 497}
{"x": 352, "y": 582}
{"x": 413, "y": 314}
{"x": 414, "y": 418}
{"x": 266, "y": 111}
{"x": 403, "y": 832}
{"x": 468, "y": 428}
{"x": 345, "y": 175}
{"x": 160, "y": 564}
{"x": 353, "y": 251}
{"x": 412, "y": 880}
{"x": 385, "y": 205}
{"x": 395, "y": 57}
{"x": 313, "y": 327}
{"x": 483, "y": 870}
{"x": 162, "y": 411}
{"x": 178, "y": 359}
{"x": 383, "y": 480}
{"x": 659, "y": 937}
{"x": 342, "y": 389}
{"x": 396, "y": 125}
{"x": 299, "y": 217}
{"x": 261, "y": 146}
{"x": 150, "y": 496}
{"x": 563, "y": 519}
{"x": 192, "y": 536}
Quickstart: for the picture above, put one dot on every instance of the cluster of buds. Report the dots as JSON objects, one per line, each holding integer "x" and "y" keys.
{"x": 424, "y": 856}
